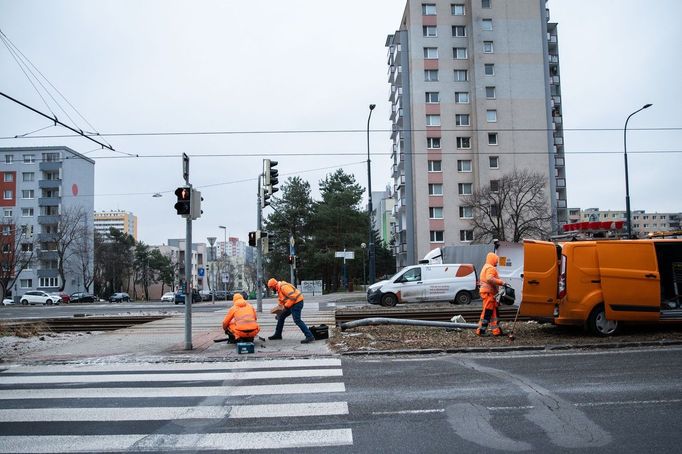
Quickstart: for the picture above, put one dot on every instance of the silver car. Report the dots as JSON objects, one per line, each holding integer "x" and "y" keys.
{"x": 39, "y": 297}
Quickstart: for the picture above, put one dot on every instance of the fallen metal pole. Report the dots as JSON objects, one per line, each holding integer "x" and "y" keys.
{"x": 402, "y": 321}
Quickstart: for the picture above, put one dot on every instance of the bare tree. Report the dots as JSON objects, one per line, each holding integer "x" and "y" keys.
{"x": 64, "y": 242}
{"x": 83, "y": 257}
{"x": 16, "y": 252}
{"x": 510, "y": 209}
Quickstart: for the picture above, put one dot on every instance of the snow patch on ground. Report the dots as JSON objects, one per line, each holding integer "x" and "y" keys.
{"x": 12, "y": 347}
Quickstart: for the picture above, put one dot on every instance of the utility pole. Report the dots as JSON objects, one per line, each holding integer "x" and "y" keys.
{"x": 259, "y": 250}
{"x": 188, "y": 261}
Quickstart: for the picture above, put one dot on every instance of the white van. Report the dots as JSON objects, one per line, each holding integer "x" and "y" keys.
{"x": 447, "y": 282}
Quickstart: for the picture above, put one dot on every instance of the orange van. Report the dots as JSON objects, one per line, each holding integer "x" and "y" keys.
{"x": 600, "y": 284}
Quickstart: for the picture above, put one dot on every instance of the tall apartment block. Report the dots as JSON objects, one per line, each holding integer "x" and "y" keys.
{"x": 41, "y": 186}
{"x": 124, "y": 221}
{"x": 475, "y": 94}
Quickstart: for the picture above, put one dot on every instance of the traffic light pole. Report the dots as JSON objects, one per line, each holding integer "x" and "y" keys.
{"x": 259, "y": 251}
{"x": 188, "y": 262}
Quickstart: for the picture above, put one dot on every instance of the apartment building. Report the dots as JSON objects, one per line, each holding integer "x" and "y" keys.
{"x": 643, "y": 222}
{"x": 475, "y": 94}
{"x": 44, "y": 190}
{"x": 123, "y": 221}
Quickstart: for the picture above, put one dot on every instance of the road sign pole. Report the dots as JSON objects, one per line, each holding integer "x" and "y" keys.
{"x": 188, "y": 262}
{"x": 259, "y": 251}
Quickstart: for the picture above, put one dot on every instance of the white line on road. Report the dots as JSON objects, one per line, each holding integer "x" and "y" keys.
{"x": 409, "y": 412}
{"x": 289, "y": 410}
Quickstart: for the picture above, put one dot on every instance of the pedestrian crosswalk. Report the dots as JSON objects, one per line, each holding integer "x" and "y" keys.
{"x": 246, "y": 405}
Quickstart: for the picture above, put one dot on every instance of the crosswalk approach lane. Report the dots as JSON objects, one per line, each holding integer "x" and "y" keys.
{"x": 190, "y": 406}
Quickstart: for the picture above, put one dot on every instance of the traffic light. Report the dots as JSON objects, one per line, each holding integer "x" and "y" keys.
{"x": 264, "y": 197}
{"x": 291, "y": 260}
{"x": 195, "y": 208}
{"x": 270, "y": 174}
{"x": 252, "y": 239}
{"x": 183, "y": 205}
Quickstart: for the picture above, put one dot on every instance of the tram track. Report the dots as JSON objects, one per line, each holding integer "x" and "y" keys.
{"x": 439, "y": 313}
{"x": 85, "y": 323}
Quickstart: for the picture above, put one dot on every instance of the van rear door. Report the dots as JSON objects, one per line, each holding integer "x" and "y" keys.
{"x": 630, "y": 280}
{"x": 540, "y": 278}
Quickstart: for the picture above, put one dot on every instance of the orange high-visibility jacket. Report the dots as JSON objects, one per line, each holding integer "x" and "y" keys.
{"x": 241, "y": 319}
{"x": 288, "y": 294}
{"x": 490, "y": 279}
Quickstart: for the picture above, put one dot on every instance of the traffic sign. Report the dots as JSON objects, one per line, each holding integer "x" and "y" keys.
{"x": 201, "y": 271}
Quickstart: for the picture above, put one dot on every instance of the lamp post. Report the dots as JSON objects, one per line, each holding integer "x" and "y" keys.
{"x": 364, "y": 275}
{"x": 211, "y": 275}
{"x": 372, "y": 263}
{"x": 224, "y": 260}
{"x": 627, "y": 183}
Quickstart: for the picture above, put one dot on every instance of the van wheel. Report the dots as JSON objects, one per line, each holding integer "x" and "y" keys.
{"x": 598, "y": 323}
{"x": 462, "y": 297}
{"x": 389, "y": 300}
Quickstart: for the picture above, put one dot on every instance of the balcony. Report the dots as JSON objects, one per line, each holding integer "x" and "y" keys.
{"x": 556, "y": 100}
{"x": 48, "y": 219}
{"x": 49, "y": 184}
{"x": 554, "y": 59}
{"x": 48, "y": 255}
{"x": 557, "y": 120}
{"x": 559, "y": 162}
{"x": 47, "y": 237}
{"x": 47, "y": 272}
{"x": 558, "y": 140}
{"x": 49, "y": 201}
{"x": 47, "y": 166}
{"x": 560, "y": 182}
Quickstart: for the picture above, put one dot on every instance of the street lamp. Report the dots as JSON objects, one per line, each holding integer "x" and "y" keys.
{"x": 627, "y": 183}
{"x": 224, "y": 251}
{"x": 372, "y": 263}
{"x": 364, "y": 275}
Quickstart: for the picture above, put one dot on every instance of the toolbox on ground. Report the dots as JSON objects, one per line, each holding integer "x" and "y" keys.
{"x": 320, "y": 332}
{"x": 245, "y": 347}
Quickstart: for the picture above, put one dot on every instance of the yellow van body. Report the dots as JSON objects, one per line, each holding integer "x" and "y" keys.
{"x": 602, "y": 283}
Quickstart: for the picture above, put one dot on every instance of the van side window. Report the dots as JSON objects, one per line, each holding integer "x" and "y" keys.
{"x": 415, "y": 274}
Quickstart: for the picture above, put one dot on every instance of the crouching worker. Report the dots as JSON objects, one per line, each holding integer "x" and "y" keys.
{"x": 240, "y": 323}
{"x": 490, "y": 282}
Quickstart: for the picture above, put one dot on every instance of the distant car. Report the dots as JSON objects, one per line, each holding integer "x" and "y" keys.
{"x": 82, "y": 297}
{"x": 231, "y": 293}
{"x": 63, "y": 296}
{"x": 119, "y": 297}
{"x": 180, "y": 298}
{"x": 220, "y": 294}
{"x": 7, "y": 301}
{"x": 168, "y": 297}
{"x": 206, "y": 295}
{"x": 39, "y": 297}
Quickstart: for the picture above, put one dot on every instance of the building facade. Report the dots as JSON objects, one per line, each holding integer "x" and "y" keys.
{"x": 643, "y": 222}
{"x": 475, "y": 94}
{"x": 47, "y": 191}
{"x": 123, "y": 221}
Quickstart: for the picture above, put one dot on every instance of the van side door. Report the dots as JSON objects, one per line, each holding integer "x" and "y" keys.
{"x": 540, "y": 278}
{"x": 630, "y": 280}
{"x": 411, "y": 288}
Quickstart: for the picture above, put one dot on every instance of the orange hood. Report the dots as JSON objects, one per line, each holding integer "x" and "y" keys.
{"x": 491, "y": 259}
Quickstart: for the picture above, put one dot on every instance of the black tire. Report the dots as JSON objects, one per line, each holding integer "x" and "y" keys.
{"x": 24, "y": 302}
{"x": 389, "y": 300}
{"x": 48, "y": 302}
{"x": 462, "y": 297}
{"x": 599, "y": 325}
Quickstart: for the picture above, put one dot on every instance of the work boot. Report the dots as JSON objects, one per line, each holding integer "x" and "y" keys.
{"x": 275, "y": 337}
{"x": 480, "y": 333}
{"x": 308, "y": 340}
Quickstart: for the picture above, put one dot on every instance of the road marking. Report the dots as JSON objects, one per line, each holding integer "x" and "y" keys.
{"x": 176, "y": 442}
{"x": 409, "y": 412}
{"x": 289, "y": 410}
{"x": 173, "y": 391}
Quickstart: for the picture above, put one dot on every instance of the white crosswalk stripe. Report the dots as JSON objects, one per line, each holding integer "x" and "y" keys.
{"x": 33, "y": 395}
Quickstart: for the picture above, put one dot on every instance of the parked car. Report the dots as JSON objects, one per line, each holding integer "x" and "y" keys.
{"x": 180, "y": 297}
{"x": 63, "y": 296}
{"x": 168, "y": 297}
{"x": 82, "y": 297}
{"x": 231, "y": 293}
{"x": 7, "y": 301}
{"x": 220, "y": 295}
{"x": 39, "y": 297}
{"x": 206, "y": 295}
{"x": 119, "y": 297}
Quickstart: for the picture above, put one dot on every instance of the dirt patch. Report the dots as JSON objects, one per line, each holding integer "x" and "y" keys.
{"x": 532, "y": 334}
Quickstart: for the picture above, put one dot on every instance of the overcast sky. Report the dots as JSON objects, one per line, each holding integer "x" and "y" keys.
{"x": 250, "y": 68}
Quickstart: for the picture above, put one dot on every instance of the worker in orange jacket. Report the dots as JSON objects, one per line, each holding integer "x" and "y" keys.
{"x": 489, "y": 285}
{"x": 241, "y": 322}
{"x": 291, "y": 299}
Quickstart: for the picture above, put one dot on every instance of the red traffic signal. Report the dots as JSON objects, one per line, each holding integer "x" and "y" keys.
{"x": 183, "y": 204}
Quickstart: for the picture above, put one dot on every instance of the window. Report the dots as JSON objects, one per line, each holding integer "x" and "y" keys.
{"x": 30, "y": 158}
{"x": 464, "y": 165}
{"x": 6, "y": 230}
{"x": 433, "y": 120}
{"x": 26, "y": 247}
{"x": 457, "y": 9}
{"x": 430, "y": 52}
{"x": 492, "y": 138}
{"x": 431, "y": 75}
{"x": 413, "y": 275}
{"x": 466, "y": 212}
{"x": 8, "y": 177}
{"x": 27, "y": 176}
{"x": 435, "y": 189}
{"x": 465, "y": 188}
{"x": 27, "y": 212}
{"x": 433, "y": 142}
{"x": 490, "y": 92}
{"x": 459, "y": 31}
{"x": 7, "y": 194}
{"x": 459, "y": 53}
{"x": 486, "y": 25}
{"x": 487, "y": 47}
{"x": 436, "y": 236}
{"x": 435, "y": 212}
{"x": 428, "y": 9}
{"x": 27, "y": 194}
{"x": 432, "y": 97}
{"x": 462, "y": 97}
{"x": 430, "y": 31}
{"x": 7, "y": 212}
{"x": 25, "y": 283}
{"x": 50, "y": 157}
{"x": 494, "y": 162}
{"x": 461, "y": 75}
{"x": 485, "y": 4}
{"x": 491, "y": 116}
{"x": 489, "y": 69}
{"x": 435, "y": 166}
{"x": 463, "y": 142}
{"x": 466, "y": 235}
{"x": 9, "y": 159}
{"x": 48, "y": 282}
{"x": 462, "y": 119}
{"x": 494, "y": 185}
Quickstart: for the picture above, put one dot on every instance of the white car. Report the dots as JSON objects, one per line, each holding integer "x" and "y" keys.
{"x": 39, "y": 297}
{"x": 169, "y": 297}
{"x": 7, "y": 301}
